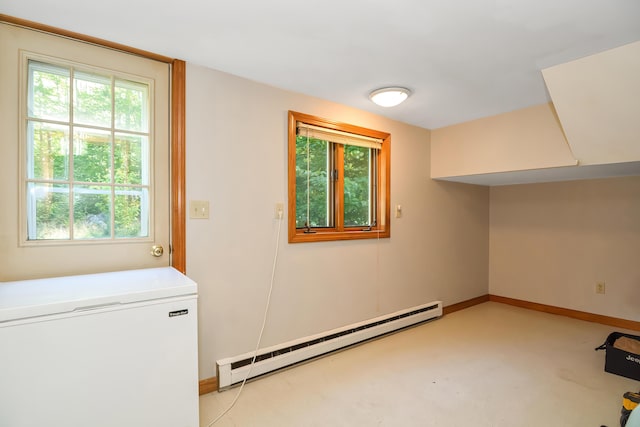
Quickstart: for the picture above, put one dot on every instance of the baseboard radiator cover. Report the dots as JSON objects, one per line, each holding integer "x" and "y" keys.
{"x": 232, "y": 370}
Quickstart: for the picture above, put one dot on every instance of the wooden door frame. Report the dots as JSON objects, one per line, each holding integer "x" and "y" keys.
{"x": 177, "y": 123}
{"x": 178, "y": 165}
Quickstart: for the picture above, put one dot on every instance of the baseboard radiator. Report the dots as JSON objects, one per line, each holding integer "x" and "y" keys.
{"x": 233, "y": 370}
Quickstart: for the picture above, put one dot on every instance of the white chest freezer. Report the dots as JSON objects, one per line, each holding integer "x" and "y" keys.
{"x": 110, "y": 349}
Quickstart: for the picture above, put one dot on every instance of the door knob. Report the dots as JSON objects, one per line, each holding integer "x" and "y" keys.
{"x": 157, "y": 250}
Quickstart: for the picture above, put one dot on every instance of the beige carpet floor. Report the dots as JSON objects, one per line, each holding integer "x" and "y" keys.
{"x": 488, "y": 365}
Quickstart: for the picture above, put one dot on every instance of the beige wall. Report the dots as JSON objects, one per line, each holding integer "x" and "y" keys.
{"x": 597, "y": 100}
{"x": 550, "y": 243}
{"x": 530, "y": 138}
{"x": 236, "y": 159}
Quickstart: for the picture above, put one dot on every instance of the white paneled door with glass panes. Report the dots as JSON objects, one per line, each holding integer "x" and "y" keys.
{"x": 85, "y": 164}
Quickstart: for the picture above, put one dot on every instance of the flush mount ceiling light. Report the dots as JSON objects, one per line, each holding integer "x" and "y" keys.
{"x": 389, "y": 96}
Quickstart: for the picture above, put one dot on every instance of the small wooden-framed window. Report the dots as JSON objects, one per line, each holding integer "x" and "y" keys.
{"x": 339, "y": 180}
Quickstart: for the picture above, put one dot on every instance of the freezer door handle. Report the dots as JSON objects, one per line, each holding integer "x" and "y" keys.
{"x": 96, "y": 306}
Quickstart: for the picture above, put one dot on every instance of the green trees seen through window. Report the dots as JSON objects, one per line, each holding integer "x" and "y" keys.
{"x": 314, "y": 189}
{"x": 87, "y": 154}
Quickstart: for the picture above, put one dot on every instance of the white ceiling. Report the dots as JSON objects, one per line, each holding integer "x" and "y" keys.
{"x": 463, "y": 59}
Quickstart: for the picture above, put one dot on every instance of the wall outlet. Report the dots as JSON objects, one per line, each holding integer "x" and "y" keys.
{"x": 279, "y": 210}
{"x": 600, "y": 287}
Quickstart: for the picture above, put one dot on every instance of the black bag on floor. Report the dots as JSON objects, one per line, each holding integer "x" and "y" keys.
{"x": 621, "y": 362}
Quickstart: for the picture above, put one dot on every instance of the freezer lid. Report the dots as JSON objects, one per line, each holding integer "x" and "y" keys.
{"x": 41, "y": 297}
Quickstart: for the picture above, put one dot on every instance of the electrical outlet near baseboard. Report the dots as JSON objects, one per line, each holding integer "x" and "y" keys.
{"x": 600, "y": 287}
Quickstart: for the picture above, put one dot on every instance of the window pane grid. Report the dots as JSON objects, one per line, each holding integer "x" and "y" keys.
{"x": 99, "y": 170}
